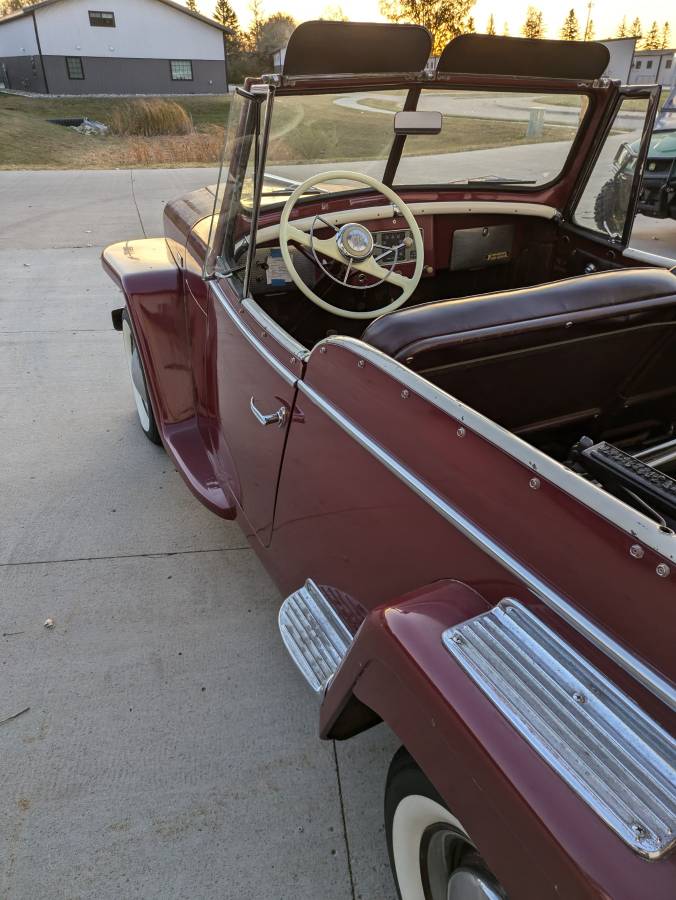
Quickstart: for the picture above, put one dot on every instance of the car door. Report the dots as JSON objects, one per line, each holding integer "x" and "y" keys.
{"x": 252, "y": 392}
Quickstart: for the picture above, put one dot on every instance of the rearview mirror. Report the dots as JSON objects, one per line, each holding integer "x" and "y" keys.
{"x": 420, "y": 121}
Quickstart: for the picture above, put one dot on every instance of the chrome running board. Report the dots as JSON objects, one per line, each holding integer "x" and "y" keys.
{"x": 314, "y": 634}
{"x": 616, "y": 758}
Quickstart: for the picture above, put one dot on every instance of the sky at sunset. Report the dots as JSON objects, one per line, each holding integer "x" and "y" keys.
{"x": 606, "y": 14}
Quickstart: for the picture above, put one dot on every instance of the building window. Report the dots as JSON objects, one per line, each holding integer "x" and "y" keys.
{"x": 181, "y": 69}
{"x": 649, "y": 64}
{"x": 102, "y": 19}
{"x": 75, "y": 68}
{"x": 668, "y": 65}
{"x": 638, "y": 63}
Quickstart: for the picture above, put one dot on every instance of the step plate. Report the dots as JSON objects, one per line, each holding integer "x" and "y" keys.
{"x": 617, "y": 759}
{"x": 314, "y": 634}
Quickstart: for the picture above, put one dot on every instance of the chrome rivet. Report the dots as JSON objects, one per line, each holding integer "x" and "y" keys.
{"x": 534, "y": 483}
{"x": 361, "y": 364}
{"x": 636, "y": 551}
{"x": 663, "y": 570}
{"x": 639, "y": 831}
{"x": 405, "y": 394}
{"x": 322, "y": 349}
{"x": 461, "y": 432}
{"x": 457, "y": 638}
{"x": 579, "y": 698}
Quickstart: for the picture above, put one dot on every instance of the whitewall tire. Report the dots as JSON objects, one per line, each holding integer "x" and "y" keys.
{"x": 432, "y": 856}
{"x": 139, "y": 387}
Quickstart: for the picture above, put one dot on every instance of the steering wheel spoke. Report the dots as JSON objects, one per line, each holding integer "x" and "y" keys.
{"x": 375, "y": 270}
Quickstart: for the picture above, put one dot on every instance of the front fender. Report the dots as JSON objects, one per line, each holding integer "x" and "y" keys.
{"x": 537, "y": 835}
{"x": 153, "y": 286}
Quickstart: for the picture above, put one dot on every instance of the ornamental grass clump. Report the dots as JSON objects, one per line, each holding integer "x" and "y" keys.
{"x": 149, "y": 118}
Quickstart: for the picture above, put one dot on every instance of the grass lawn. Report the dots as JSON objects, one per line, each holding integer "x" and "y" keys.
{"x": 29, "y": 141}
{"x": 574, "y": 100}
{"x": 305, "y": 129}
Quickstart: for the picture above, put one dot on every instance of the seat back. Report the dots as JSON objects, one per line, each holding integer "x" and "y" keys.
{"x": 594, "y": 349}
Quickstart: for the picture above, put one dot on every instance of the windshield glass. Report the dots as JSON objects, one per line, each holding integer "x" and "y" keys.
{"x": 486, "y": 136}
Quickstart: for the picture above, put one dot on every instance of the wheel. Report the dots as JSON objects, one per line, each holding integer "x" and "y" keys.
{"x": 138, "y": 383}
{"x": 431, "y": 854}
{"x": 612, "y": 202}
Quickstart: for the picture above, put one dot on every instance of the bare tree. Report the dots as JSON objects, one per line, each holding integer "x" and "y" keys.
{"x": 490, "y": 26}
{"x": 192, "y": 5}
{"x": 10, "y": 6}
{"x": 652, "y": 39}
{"x": 444, "y": 19}
{"x": 275, "y": 33}
{"x": 534, "y": 26}
{"x": 505, "y": 29}
{"x": 255, "y": 30}
{"x": 589, "y": 32}
{"x": 622, "y": 29}
{"x": 571, "y": 27}
{"x": 636, "y": 28}
{"x": 666, "y": 36}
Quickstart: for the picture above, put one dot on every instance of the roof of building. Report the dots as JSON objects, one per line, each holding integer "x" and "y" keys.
{"x": 28, "y": 10}
{"x": 667, "y": 52}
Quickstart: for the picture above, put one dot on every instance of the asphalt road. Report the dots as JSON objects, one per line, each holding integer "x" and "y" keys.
{"x": 169, "y": 749}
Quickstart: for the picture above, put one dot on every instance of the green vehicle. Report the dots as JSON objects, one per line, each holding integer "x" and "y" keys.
{"x": 658, "y": 189}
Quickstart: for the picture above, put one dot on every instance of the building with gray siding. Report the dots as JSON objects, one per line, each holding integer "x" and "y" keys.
{"x": 112, "y": 47}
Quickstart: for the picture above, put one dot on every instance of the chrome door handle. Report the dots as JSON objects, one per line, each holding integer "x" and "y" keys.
{"x": 278, "y": 417}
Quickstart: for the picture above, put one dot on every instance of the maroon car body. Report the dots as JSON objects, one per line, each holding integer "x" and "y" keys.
{"x": 414, "y": 473}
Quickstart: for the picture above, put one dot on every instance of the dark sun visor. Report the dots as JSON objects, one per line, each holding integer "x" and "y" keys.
{"x": 357, "y": 48}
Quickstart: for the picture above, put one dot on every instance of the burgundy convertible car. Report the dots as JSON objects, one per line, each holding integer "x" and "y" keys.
{"x": 440, "y": 399}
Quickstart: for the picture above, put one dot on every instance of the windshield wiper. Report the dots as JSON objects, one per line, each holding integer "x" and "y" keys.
{"x": 496, "y": 179}
{"x": 284, "y": 192}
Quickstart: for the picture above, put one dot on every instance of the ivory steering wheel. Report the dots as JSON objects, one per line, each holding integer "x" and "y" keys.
{"x": 352, "y": 244}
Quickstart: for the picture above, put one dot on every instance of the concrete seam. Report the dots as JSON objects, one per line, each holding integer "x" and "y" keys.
{"x": 133, "y": 195}
{"x": 342, "y": 816}
{"x": 158, "y": 554}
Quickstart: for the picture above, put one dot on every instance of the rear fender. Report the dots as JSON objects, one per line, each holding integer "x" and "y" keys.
{"x": 536, "y": 834}
{"x": 153, "y": 286}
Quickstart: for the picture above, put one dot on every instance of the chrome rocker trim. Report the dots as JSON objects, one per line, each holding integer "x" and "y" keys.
{"x": 617, "y": 759}
{"x": 314, "y": 634}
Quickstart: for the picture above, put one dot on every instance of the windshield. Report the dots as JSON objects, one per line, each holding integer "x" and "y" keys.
{"x": 486, "y": 136}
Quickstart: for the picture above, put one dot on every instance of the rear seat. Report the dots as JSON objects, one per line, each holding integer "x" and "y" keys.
{"x": 597, "y": 349}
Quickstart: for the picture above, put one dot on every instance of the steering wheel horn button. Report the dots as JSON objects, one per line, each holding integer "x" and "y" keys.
{"x": 354, "y": 241}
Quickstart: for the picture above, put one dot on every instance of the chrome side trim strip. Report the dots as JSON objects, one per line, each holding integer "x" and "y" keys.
{"x": 634, "y": 523}
{"x": 294, "y": 347}
{"x": 614, "y": 756}
{"x": 647, "y": 676}
{"x": 272, "y": 360}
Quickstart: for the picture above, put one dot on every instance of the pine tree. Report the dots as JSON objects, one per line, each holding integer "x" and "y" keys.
{"x": 470, "y": 27}
{"x": 226, "y": 15}
{"x": 534, "y": 26}
{"x": 571, "y": 27}
{"x": 636, "y": 28}
{"x": 666, "y": 36}
{"x": 192, "y": 5}
{"x": 652, "y": 40}
{"x": 256, "y": 27}
{"x": 490, "y": 26}
{"x": 589, "y": 31}
{"x": 623, "y": 31}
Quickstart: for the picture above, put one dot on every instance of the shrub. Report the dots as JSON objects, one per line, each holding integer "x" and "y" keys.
{"x": 150, "y": 117}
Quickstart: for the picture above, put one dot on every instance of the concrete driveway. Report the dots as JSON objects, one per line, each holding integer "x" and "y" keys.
{"x": 169, "y": 748}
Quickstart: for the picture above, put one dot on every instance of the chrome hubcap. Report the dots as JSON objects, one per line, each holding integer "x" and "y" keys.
{"x": 452, "y": 869}
{"x": 354, "y": 241}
